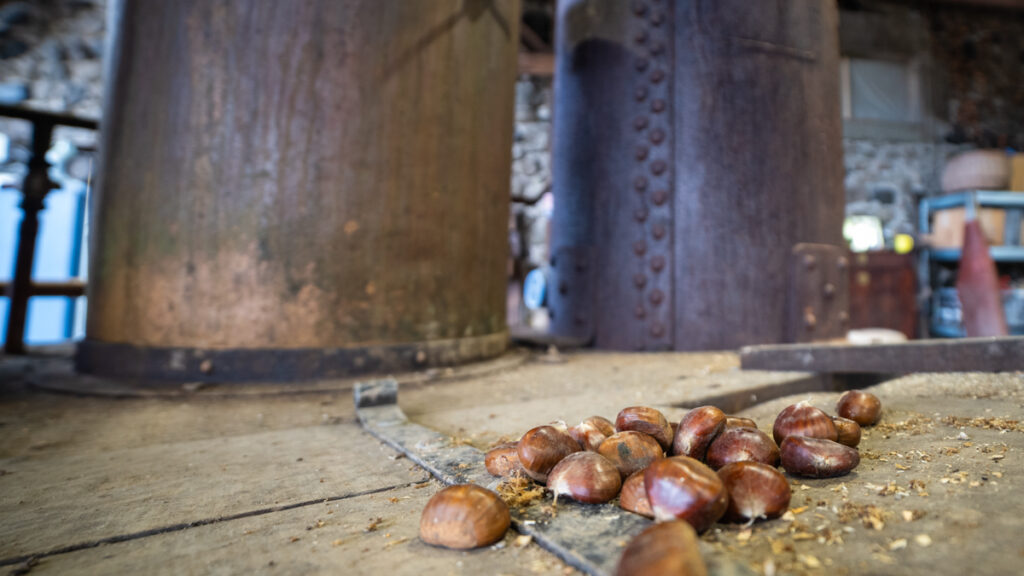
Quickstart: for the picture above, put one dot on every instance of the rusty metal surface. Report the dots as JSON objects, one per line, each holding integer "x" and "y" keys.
{"x": 588, "y": 537}
{"x": 819, "y": 296}
{"x": 149, "y": 365}
{"x": 304, "y": 175}
{"x": 961, "y": 355}
{"x": 695, "y": 144}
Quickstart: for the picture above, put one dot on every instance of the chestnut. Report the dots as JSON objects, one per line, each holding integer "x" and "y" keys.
{"x": 663, "y": 549}
{"x": 738, "y": 422}
{"x": 742, "y": 444}
{"x": 849, "y": 431}
{"x": 464, "y": 516}
{"x": 683, "y": 488}
{"x": 543, "y": 447}
{"x": 634, "y": 495}
{"x": 802, "y": 419}
{"x": 591, "y": 432}
{"x": 756, "y": 491}
{"x": 630, "y": 451}
{"x": 863, "y": 408}
{"x": 696, "y": 431}
{"x": 503, "y": 460}
{"x": 817, "y": 457}
{"x": 585, "y": 477}
{"x": 646, "y": 420}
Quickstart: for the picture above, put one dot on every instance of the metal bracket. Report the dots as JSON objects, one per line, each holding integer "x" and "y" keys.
{"x": 588, "y": 537}
{"x": 819, "y": 294}
{"x": 570, "y": 296}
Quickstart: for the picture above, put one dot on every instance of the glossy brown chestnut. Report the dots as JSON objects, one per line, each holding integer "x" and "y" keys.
{"x": 464, "y": 516}
{"x": 591, "y": 432}
{"x": 543, "y": 447}
{"x": 817, "y": 458}
{"x": 697, "y": 430}
{"x": 665, "y": 549}
{"x": 741, "y": 445}
{"x": 633, "y": 496}
{"x": 585, "y": 477}
{"x": 503, "y": 460}
{"x": 646, "y": 420}
{"x": 802, "y": 419}
{"x": 849, "y": 431}
{"x": 630, "y": 451}
{"x": 738, "y": 422}
{"x": 756, "y": 491}
{"x": 683, "y": 488}
{"x": 863, "y": 408}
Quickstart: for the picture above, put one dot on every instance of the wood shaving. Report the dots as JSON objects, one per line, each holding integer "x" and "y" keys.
{"x": 519, "y": 492}
{"x": 986, "y": 423}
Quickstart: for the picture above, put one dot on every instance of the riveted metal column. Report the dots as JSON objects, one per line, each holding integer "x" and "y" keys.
{"x": 696, "y": 143}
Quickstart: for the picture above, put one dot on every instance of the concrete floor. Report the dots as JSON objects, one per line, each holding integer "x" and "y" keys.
{"x": 263, "y": 479}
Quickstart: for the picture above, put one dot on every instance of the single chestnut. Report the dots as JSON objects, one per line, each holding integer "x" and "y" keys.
{"x": 464, "y": 516}
{"x": 739, "y": 422}
{"x": 696, "y": 431}
{"x": 585, "y": 477}
{"x": 503, "y": 460}
{"x": 633, "y": 496}
{"x": 802, "y": 419}
{"x": 756, "y": 491}
{"x": 741, "y": 445}
{"x": 591, "y": 432}
{"x": 683, "y": 488}
{"x": 630, "y": 451}
{"x": 646, "y": 420}
{"x": 849, "y": 431}
{"x": 668, "y": 548}
{"x": 863, "y": 408}
{"x": 817, "y": 457}
{"x": 543, "y": 447}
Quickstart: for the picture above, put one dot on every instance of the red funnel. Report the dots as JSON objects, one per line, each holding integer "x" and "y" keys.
{"x": 978, "y": 286}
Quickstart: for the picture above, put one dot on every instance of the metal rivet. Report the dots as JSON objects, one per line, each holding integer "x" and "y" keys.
{"x": 657, "y": 76}
{"x": 640, "y": 280}
{"x": 640, "y": 214}
{"x": 641, "y": 37}
{"x": 640, "y": 183}
{"x": 580, "y": 320}
{"x": 657, "y": 48}
{"x": 641, "y": 152}
{"x": 640, "y": 312}
{"x": 640, "y": 122}
{"x": 829, "y": 289}
{"x": 656, "y": 297}
{"x": 640, "y": 94}
{"x": 639, "y": 247}
{"x": 810, "y": 261}
{"x": 642, "y": 64}
{"x": 206, "y": 366}
{"x": 658, "y": 166}
{"x": 563, "y": 288}
{"x": 657, "y": 330}
{"x": 657, "y": 136}
{"x": 658, "y": 231}
{"x": 844, "y": 317}
{"x": 657, "y": 263}
{"x": 657, "y": 18}
{"x": 639, "y": 8}
{"x": 810, "y": 321}
{"x": 660, "y": 197}
{"x": 841, "y": 263}
{"x": 658, "y": 106}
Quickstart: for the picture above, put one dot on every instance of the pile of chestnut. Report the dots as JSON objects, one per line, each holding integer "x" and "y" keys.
{"x": 709, "y": 467}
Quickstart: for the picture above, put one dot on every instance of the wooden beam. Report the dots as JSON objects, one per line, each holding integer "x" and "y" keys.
{"x": 537, "y": 64}
{"x": 72, "y": 289}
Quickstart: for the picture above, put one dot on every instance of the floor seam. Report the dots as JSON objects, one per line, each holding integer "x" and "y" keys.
{"x": 206, "y": 522}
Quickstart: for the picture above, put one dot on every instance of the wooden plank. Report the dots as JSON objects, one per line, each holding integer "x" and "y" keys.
{"x": 323, "y": 538}
{"x": 1003, "y": 354}
{"x": 73, "y": 500}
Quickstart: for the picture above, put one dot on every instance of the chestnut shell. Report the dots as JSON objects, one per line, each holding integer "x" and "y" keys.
{"x": 802, "y": 419}
{"x": 646, "y": 420}
{"x": 633, "y": 496}
{"x": 503, "y": 460}
{"x": 668, "y": 548}
{"x": 849, "y": 431}
{"x": 862, "y": 407}
{"x": 543, "y": 447}
{"x": 464, "y": 516}
{"x": 697, "y": 430}
{"x": 585, "y": 477}
{"x": 630, "y": 451}
{"x": 755, "y": 491}
{"x": 591, "y": 432}
{"x": 683, "y": 488}
{"x": 742, "y": 445}
{"x": 817, "y": 457}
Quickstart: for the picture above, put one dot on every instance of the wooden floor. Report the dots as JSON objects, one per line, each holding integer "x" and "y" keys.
{"x": 264, "y": 479}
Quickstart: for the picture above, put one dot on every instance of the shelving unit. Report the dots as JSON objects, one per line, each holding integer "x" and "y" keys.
{"x": 1012, "y": 252}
